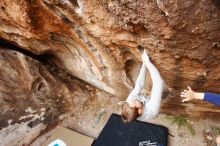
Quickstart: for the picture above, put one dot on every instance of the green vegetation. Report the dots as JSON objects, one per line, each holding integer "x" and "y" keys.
{"x": 183, "y": 121}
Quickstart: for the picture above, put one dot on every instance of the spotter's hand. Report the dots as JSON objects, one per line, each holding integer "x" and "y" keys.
{"x": 188, "y": 94}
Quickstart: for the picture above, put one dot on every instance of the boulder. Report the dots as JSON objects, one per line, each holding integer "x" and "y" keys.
{"x": 31, "y": 98}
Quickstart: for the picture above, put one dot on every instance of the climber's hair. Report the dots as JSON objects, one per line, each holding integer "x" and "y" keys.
{"x": 128, "y": 113}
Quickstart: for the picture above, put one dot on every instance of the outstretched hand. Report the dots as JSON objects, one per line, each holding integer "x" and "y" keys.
{"x": 145, "y": 57}
{"x": 188, "y": 94}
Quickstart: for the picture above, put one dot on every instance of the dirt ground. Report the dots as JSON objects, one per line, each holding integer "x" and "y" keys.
{"x": 91, "y": 112}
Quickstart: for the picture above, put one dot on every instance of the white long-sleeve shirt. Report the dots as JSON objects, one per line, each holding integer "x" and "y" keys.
{"x": 152, "y": 103}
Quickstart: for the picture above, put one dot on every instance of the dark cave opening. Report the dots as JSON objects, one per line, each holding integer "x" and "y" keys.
{"x": 43, "y": 58}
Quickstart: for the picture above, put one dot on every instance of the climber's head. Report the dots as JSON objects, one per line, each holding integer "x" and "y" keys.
{"x": 131, "y": 110}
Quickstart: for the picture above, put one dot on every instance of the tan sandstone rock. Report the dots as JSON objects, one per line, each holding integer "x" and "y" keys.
{"x": 100, "y": 41}
{"x": 31, "y": 99}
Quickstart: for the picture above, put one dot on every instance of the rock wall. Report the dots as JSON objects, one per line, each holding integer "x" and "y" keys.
{"x": 31, "y": 99}
{"x": 100, "y": 41}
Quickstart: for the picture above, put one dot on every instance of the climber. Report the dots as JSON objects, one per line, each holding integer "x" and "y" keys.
{"x": 209, "y": 97}
{"x": 141, "y": 107}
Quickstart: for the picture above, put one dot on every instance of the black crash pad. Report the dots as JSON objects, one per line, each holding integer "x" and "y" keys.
{"x": 136, "y": 133}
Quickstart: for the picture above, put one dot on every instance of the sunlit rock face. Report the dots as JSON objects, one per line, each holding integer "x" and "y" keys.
{"x": 30, "y": 98}
{"x": 100, "y": 41}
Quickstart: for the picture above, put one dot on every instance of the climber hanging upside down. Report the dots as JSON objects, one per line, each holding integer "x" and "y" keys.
{"x": 141, "y": 107}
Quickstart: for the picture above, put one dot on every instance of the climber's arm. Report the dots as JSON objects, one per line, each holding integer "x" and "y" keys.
{"x": 156, "y": 92}
{"x": 139, "y": 82}
{"x": 152, "y": 107}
